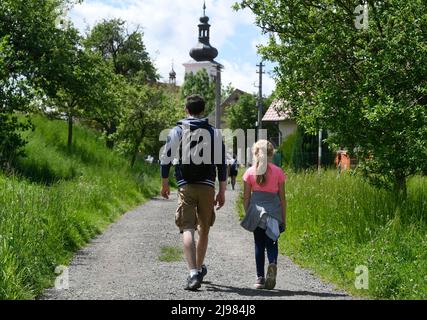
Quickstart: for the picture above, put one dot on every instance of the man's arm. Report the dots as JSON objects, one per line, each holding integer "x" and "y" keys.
{"x": 220, "y": 197}
{"x": 165, "y": 188}
{"x": 169, "y": 152}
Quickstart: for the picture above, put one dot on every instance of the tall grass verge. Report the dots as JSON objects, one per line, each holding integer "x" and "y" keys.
{"x": 337, "y": 223}
{"x": 58, "y": 200}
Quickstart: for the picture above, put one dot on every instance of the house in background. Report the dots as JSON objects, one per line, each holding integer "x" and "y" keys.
{"x": 232, "y": 99}
{"x": 282, "y": 116}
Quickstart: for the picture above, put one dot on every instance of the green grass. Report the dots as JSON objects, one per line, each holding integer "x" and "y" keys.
{"x": 335, "y": 224}
{"x": 58, "y": 200}
{"x": 171, "y": 254}
{"x": 239, "y": 203}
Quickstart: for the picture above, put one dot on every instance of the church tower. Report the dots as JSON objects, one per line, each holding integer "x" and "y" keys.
{"x": 203, "y": 54}
{"x": 172, "y": 77}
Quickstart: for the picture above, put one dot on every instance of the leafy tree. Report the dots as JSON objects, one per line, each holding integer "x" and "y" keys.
{"x": 171, "y": 110}
{"x": 368, "y": 86}
{"x": 126, "y": 50}
{"x": 84, "y": 88}
{"x": 200, "y": 83}
{"x": 226, "y": 91}
{"x": 126, "y": 54}
{"x": 148, "y": 110}
{"x": 29, "y": 41}
{"x": 244, "y": 114}
{"x": 10, "y": 140}
{"x": 105, "y": 106}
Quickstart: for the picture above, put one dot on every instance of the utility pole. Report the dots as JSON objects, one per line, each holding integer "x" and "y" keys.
{"x": 259, "y": 102}
{"x": 218, "y": 97}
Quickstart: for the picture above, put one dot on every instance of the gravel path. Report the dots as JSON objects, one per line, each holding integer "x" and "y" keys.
{"x": 123, "y": 262}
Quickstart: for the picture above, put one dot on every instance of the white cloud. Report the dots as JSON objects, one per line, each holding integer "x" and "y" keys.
{"x": 170, "y": 31}
{"x": 245, "y": 77}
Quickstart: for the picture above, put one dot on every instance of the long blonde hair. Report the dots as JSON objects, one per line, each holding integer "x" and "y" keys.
{"x": 263, "y": 152}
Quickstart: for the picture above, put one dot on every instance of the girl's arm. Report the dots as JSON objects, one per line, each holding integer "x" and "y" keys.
{"x": 282, "y": 196}
{"x": 246, "y": 195}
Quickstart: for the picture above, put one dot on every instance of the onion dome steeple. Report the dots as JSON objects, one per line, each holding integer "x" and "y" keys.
{"x": 203, "y": 51}
{"x": 172, "y": 76}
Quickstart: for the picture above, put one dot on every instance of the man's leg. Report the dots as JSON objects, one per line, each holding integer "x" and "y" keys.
{"x": 193, "y": 281}
{"x": 202, "y": 246}
{"x": 190, "y": 248}
{"x": 186, "y": 221}
{"x": 205, "y": 218}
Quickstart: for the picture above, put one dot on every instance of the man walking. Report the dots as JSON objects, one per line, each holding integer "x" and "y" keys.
{"x": 198, "y": 152}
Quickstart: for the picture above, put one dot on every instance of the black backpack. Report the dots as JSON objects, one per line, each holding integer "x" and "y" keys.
{"x": 192, "y": 172}
{"x": 234, "y": 165}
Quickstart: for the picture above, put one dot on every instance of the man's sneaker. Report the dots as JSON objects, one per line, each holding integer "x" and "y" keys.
{"x": 259, "y": 283}
{"x": 193, "y": 283}
{"x": 270, "y": 281}
{"x": 203, "y": 273}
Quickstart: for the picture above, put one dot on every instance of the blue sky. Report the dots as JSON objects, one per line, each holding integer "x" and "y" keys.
{"x": 170, "y": 31}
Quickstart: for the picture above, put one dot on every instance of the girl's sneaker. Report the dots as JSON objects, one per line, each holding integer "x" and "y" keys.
{"x": 270, "y": 281}
{"x": 259, "y": 283}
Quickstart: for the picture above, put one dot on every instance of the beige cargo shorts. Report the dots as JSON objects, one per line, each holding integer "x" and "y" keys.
{"x": 196, "y": 208}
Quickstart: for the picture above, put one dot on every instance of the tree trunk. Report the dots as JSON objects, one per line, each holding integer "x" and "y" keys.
{"x": 70, "y": 130}
{"x": 133, "y": 160}
{"x": 400, "y": 188}
{"x": 136, "y": 147}
{"x": 110, "y": 131}
{"x": 110, "y": 143}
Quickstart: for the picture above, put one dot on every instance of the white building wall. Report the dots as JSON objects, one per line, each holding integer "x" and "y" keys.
{"x": 194, "y": 66}
{"x": 287, "y": 127}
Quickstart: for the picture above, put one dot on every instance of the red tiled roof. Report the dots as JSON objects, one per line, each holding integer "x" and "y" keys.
{"x": 273, "y": 115}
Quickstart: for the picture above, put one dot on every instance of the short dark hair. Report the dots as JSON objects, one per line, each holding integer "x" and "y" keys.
{"x": 195, "y": 104}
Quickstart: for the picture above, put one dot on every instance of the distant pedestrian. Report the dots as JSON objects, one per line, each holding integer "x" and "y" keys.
{"x": 339, "y": 160}
{"x": 234, "y": 171}
{"x": 196, "y": 183}
{"x": 265, "y": 210}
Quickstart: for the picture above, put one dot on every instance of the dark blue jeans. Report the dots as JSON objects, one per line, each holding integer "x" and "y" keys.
{"x": 262, "y": 242}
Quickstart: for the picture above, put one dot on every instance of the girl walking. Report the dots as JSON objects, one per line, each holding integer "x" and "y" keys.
{"x": 265, "y": 208}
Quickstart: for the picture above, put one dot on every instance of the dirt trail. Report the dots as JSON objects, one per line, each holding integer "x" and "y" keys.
{"x": 123, "y": 262}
